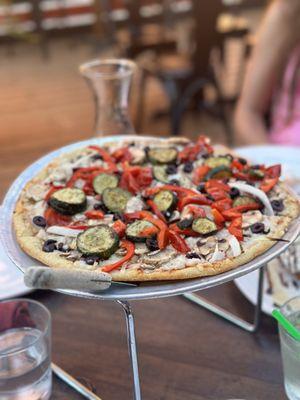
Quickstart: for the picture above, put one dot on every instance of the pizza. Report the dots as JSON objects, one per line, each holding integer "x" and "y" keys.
{"x": 153, "y": 209}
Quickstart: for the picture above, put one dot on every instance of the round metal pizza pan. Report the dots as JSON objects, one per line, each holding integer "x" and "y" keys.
{"x": 146, "y": 290}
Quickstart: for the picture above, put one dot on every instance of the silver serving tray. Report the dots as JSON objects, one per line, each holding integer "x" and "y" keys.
{"x": 146, "y": 290}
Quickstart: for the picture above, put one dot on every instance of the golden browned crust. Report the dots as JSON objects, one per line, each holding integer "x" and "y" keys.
{"x": 25, "y": 234}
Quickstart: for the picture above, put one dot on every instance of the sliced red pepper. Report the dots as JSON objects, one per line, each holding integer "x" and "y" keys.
{"x": 121, "y": 155}
{"x": 235, "y": 228}
{"x": 197, "y": 212}
{"x": 54, "y": 218}
{"x": 200, "y": 173}
{"x": 125, "y": 244}
{"x": 106, "y": 157}
{"x": 178, "y": 242}
{"x": 129, "y": 183}
{"x": 156, "y": 210}
{"x": 222, "y": 205}
{"x": 94, "y": 214}
{"x": 237, "y": 165}
{"x": 135, "y": 179}
{"x": 241, "y": 176}
{"x": 177, "y": 189}
{"x": 217, "y": 194}
{"x": 217, "y": 184}
{"x": 79, "y": 227}
{"x": 52, "y": 190}
{"x": 119, "y": 227}
{"x": 218, "y": 217}
{"x": 186, "y": 232}
{"x": 268, "y": 184}
{"x": 196, "y": 199}
{"x": 151, "y": 231}
{"x": 274, "y": 171}
{"x": 237, "y": 211}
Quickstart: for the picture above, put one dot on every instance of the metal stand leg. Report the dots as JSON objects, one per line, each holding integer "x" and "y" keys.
{"x": 132, "y": 348}
{"x": 250, "y": 327}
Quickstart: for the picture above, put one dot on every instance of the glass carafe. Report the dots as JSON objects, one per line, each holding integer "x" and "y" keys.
{"x": 110, "y": 82}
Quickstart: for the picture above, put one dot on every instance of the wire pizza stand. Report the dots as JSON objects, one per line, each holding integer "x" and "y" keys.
{"x": 124, "y": 294}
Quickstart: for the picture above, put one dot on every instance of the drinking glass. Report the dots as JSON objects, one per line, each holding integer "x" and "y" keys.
{"x": 290, "y": 350}
{"x": 25, "y": 350}
{"x": 110, "y": 82}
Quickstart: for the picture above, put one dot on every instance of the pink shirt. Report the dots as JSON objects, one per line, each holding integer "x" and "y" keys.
{"x": 286, "y": 122}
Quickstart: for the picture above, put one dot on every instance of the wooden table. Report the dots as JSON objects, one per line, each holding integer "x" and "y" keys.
{"x": 186, "y": 353}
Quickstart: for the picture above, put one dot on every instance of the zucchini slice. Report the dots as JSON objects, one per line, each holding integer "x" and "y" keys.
{"x": 104, "y": 181}
{"x": 204, "y": 226}
{"x": 115, "y": 199}
{"x": 162, "y": 155}
{"x": 243, "y": 201}
{"x": 133, "y": 230}
{"x": 165, "y": 200}
{"x": 221, "y": 172}
{"x": 68, "y": 201}
{"x": 101, "y": 241}
{"x": 214, "y": 162}
{"x": 160, "y": 174}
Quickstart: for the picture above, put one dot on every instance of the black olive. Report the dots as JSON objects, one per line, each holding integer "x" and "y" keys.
{"x": 167, "y": 214}
{"x": 97, "y": 206}
{"x": 258, "y": 227}
{"x": 205, "y": 155}
{"x": 185, "y": 223}
{"x": 229, "y": 156}
{"x": 277, "y": 205}
{"x": 242, "y": 161}
{"x": 117, "y": 217}
{"x": 256, "y": 166}
{"x": 89, "y": 260}
{"x": 222, "y": 240}
{"x": 146, "y": 149}
{"x": 171, "y": 169}
{"x": 96, "y": 157}
{"x": 152, "y": 244}
{"x": 192, "y": 255}
{"x": 188, "y": 167}
{"x": 49, "y": 246}
{"x": 62, "y": 247}
{"x": 38, "y": 220}
{"x": 234, "y": 192}
{"x": 174, "y": 182}
{"x": 201, "y": 187}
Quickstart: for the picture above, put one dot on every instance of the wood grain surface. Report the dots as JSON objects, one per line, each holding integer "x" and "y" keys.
{"x": 185, "y": 353}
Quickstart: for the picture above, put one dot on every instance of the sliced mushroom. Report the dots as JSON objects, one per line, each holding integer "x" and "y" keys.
{"x": 138, "y": 155}
{"x": 141, "y": 248}
{"x": 251, "y": 217}
{"x": 160, "y": 257}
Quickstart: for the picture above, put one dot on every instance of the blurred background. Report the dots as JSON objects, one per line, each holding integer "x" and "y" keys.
{"x": 177, "y": 44}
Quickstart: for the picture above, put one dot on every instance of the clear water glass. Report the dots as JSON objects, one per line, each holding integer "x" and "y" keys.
{"x": 110, "y": 82}
{"x": 25, "y": 350}
{"x": 290, "y": 350}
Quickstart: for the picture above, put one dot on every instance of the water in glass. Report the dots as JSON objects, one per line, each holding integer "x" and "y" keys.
{"x": 290, "y": 350}
{"x": 27, "y": 374}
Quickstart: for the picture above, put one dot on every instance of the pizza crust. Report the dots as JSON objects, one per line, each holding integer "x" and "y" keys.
{"x": 25, "y": 235}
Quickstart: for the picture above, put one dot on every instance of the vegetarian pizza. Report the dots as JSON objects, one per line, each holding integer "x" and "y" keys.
{"x": 149, "y": 209}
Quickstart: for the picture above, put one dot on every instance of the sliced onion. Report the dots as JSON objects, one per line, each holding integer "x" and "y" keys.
{"x": 255, "y": 192}
{"x": 217, "y": 255}
{"x": 234, "y": 245}
{"x": 63, "y": 231}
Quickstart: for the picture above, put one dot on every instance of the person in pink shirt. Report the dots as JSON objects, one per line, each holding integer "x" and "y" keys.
{"x": 272, "y": 81}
